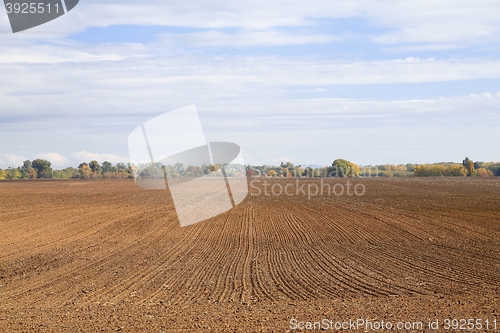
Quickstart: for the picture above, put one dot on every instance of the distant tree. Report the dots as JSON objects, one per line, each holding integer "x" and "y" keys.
{"x": 27, "y": 165}
{"x": 179, "y": 167}
{"x": 309, "y": 172}
{"x": 457, "y": 170}
{"x": 95, "y": 166}
{"x": 493, "y": 167}
{"x": 151, "y": 171}
{"x": 427, "y": 170}
{"x": 410, "y": 167}
{"x": 272, "y": 173}
{"x": 2, "y": 174}
{"x": 84, "y": 170}
{"x": 42, "y": 167}
{"x": 12, "y": 173}
{"x": 121, "y": 167}
{"x": 171, "y": 172}
{"x": 344, "y": 168}
{"x": 193, "y": 171}
{"x": 27, "y": 170}
{"x": 68, "y": 173}
{"x": 482, "y": 172}
{"x": 106, "y": 167}
{"x": 298, "y": 171}
{"x": 288, "y": 165}
{"x": 207, "y": 169}
{"x": 32, "y": 174}
{"x": 23, "y": 172}
{"x": 479, "y": 165}
{"x": 469, "y": 165}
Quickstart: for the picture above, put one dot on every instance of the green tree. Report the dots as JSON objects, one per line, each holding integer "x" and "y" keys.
{"x": 193, "y": 171}
{"x": 410, "y": 167}
{"x": 121, "y": 167}
{"x": 23, "y": 172}
{"x": 12, "y": 173}
{"x": 95, "y": 166}
{"x": 106, "y": 167}
{"x": 288, "y": 165}
{"x": 67, "y": 173}
{"x": 2, "y": 174}
{"x": 42, "y": 167}
{"x": 179, "y": 167}
{"x": 27, "y": 170}
{"x": 298, "y": 171}
{"x": 27, "y": 165}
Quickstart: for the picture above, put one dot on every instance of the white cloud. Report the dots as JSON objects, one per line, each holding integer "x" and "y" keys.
{"x": 419, "y": 48}
{"x": 71, "y": 87}
{"x": 11, "y": 160}
{"x": 422, "y": 22}
{"x": 307, "y": 129}
{"x": 245, "y": 39}
{"x": 56, "y": 159}
{"x": 131, "y": 86}
{"x": 84, "y": 156}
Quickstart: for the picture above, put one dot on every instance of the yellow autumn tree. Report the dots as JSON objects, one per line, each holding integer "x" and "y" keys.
{"x": 271, "y": 173}
{"x": 344, "y": 168}
{"x": 482, "y": 172}
{"x": 469, "y": 165}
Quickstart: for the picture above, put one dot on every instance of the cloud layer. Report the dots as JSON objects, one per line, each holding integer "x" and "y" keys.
{"x": 259, "y": 72}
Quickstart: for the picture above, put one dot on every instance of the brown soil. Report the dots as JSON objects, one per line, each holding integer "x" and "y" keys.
{"x": 99, "y": 256}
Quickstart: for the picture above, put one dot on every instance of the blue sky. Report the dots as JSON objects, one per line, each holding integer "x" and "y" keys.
{"x": 374, "y": 82}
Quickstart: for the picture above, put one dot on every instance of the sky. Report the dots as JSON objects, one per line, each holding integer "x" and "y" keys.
{"x": 373, "y": 82}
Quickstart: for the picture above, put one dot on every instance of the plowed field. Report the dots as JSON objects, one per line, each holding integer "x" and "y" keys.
{"x": 99, "y": 256}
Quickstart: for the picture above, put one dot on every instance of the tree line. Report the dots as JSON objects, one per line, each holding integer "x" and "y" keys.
{"x": 345, "y": 168}
{"x": 41, "y": 168}
{"x": 179, "y": 170}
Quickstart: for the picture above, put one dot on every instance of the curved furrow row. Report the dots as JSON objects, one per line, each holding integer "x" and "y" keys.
{"x": 341, "y": 229}
{"x": 431, "y": 268}
{"x": 348, "y": 274}
{"x": 69, "y": 269}
{"x": 360, "y": 277}
{"x": 215, "y": 241}
{"x": 261, "y": 283}
{"x": 302, "y": 272}
{"x": 300, "y": 262}
{"x": 93, "y": 270}
{"x": 166, "y": 258}
{"x": 69, "y": 226}
{"x": 274, "y": 262}
{"x": 378, "y": 271}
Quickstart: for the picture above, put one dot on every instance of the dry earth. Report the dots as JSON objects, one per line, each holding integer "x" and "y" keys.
{"x": 101, "y": 256}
